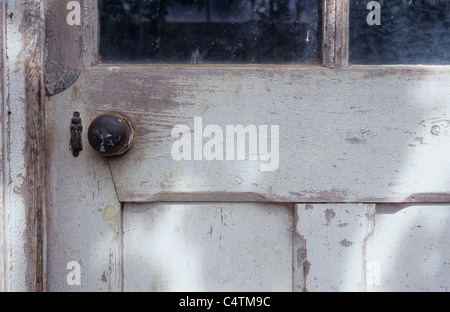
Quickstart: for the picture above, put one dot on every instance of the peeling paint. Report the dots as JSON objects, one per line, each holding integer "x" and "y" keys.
{"x": 333, "y": 195}
{"x": 104, "y": 278}
{"x": 22, "y": 124}
{"x": 302, "y": 261}
{"x": 345, "y": 243}
{"x": 302, "y": 252}
{"x": 355, "y": 140}
{"x": 329, "y": 214}
{"x": 306, "y": 267}
{"x": 114, "y": 69}
{"x": 370, "y": 217}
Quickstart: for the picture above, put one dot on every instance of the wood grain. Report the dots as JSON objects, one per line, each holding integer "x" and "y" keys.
{"x": 330, "y": 245}
{"x": 23, "y": 145}
{"x": 35, "y": 143}
{"x": 335, "y": 46}
{"x": 63, "y": 48}
{"x": 3, "y": 114}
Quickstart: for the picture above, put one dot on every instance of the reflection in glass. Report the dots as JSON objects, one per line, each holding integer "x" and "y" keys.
{"x": 411, "y": 32}
{"x": 209, "y": 31}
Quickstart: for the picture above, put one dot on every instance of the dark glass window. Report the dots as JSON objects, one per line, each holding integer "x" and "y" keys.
{"x": 410, "y": 32}
{"x": 210, "y": 31}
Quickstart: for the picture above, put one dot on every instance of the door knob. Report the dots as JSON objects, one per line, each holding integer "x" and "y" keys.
{"x": 111, "y": 134}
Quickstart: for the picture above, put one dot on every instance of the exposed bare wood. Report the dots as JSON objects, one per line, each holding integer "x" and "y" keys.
{"x": 429, "y": 198}
{"x": 2, "y": 164}
{"x": 23, "y": 144}
{"x": 64, "y": 47}
{"x": 328, "y": 32}
{"x": 331, "y": 231}
{"x": 90, "y": 24}
{"x": 335, "y": 33}
{"x": 35, "y": 142}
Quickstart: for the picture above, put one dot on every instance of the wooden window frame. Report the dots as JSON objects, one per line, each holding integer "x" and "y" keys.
{"x": 335, "y": 39}
{"x": 66, "y": 67}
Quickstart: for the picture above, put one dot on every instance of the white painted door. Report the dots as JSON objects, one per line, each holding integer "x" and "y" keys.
{"x": 296, "y": 213}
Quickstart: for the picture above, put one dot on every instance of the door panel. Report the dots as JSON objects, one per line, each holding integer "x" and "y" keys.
{"x": 410, "y": 248}
{"x": 367, "y": 247}
{"x": 331, "y": 246}
{"x": 207, "y": 247}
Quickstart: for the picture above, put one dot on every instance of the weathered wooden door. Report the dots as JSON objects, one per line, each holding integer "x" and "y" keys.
{"x": 247, "y": 175}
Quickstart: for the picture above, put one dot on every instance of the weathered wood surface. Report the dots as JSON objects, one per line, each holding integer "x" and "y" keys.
{"x": 207, "y": 247}
{"x": 369, "y": 134}
{"x": 367, "y": 247}
{"x": 335, "y": 30}
{"x": 22, "y": 125}
{"x": 83, "y": 213}
{"x": 2, "y": 165}
{"x": 63, "y": 48}
{"x": 330, "y": 246}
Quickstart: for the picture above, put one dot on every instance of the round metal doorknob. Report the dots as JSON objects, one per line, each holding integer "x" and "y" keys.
{"x": 111, "y": 134}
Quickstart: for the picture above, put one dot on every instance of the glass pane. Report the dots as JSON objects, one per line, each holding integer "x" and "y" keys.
{"x": 410, "y": 32}
{"x": 210, "y": 31}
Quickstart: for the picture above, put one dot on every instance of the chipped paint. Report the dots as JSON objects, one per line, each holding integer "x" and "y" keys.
{"x": 115, "y": 69}
{"x": 370, "y": 229}
{"x": 316, "y": 167}
{"x": 336, "y": 248}
{"x": 345, "y": 243}
{"x": 329, "y": 214}
{"x": 302, "y": 261}
{"x": 109, "y": 213}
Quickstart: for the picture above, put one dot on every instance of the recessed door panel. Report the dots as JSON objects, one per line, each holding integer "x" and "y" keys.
{"x": 207, "y": 247}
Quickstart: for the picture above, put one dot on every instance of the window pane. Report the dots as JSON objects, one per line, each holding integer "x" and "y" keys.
{"x": 210, "y": 31}
{"x": 411, "y": 32}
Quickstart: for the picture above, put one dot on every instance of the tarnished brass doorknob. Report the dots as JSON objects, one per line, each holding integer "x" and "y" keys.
{"x": 111, "y": 134}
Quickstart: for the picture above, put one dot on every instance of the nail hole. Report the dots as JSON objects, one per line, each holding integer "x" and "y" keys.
{"x": 435, "y": 130}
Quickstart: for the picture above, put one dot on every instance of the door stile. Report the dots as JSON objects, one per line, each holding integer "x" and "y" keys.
{"x": 23, "y": 178}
